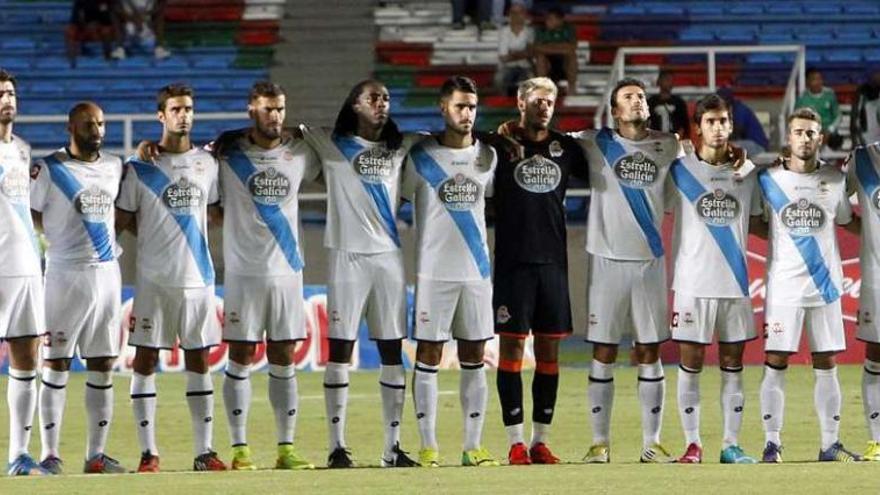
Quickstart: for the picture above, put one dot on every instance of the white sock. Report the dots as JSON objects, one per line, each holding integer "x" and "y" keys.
{"x": 540, "y": 433}
{"x": 237, "y": 400}
{"x": 652, "y": 392}
{"x": 285, "y": 401}
{"x": 601, "y": 394}
{"x": 336, "y": 401}
{"x": 392, "y": 385}
{"x": 732, "y": 404}
{"x": 773, "y": 403}
{"x": 871, "y": 397}
{"x": 425, "y": 399}
{"x": 99, "y": 410}
{"x": 688, "y": 392}
{"x": 826, "y": 398}
{"x": 21, "y": 397}
{"x": 52, "y": 397}
{"x": 143, "y": 403}
{"x": 200, "y": 398}
{"x": 473, "y": 393}
{"x": 515, "y": 434}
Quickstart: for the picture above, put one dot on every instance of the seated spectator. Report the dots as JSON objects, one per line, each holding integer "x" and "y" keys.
{"x": 94, "y": 20}
{"x": 498, "y": 9}
{"x": 514, "y": 50}
{"x": 823, "y": 100}
{"x": 669, "y": 112}
{"x": 556, "y": 51}
{"x": 748, "y": 133}
{"x": 483, "y": 13}
{"x": 145, "y": 20}
{"x": 864, "y": 121}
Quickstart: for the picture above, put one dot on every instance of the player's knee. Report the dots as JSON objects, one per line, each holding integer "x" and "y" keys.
{"x": 777, "y": 360}
{"x": 23, "y": 353}
{"x": 243, "y": 352}
{"x": 145, "y": 361}
{"x": 196, "y": 361}
{"x": 647, "y": 353}
{"x": 692, "y": 356}
{"x": 606, "y": 354}
{"x": 511, "y": 349}
{"x": 429, "y": 353}
{"x": 823, "y": 360}
{"x": 546, "y": 349}
{"x": 390, "y": 352}
{"x": 57, "y": 364}
{"x": 470, "y": 352}
{"x": 98, "y": 364}
{"x": 730, "y": 357}
{"x": 340, "y": 350}
{"x": 278, "y": 353}
{"x": 872, "y": 351}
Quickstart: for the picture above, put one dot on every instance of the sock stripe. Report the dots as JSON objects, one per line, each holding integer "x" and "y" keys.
{"x": 236, "y": 377}
{"x": 99, "y": 387}
{"x": 875, "y": 373}
{"x": 689, "y": 370}
{"x": 239, "y": 445}
{"x": 646, "y": 379}
{"x": 600, "y": 380}
{"x": 52, "y": 385}
{"x": 547, "y": 367}
{"x": 285, "y": 443}
{"x": 335, "y": 385}
{"x": 279, "y": 377}
{"x": 143, "y": 396}
{"x": 425, "y": 370}
{"x": 23, "y": 378}
{"x": 392, "y": 385}
{"x": 199, "y": 393}
{"x": 471, "y": 366}
{"x": 777, "y": 368}
{"x": 738, "y": 369}
{"x": 510, "y": 365}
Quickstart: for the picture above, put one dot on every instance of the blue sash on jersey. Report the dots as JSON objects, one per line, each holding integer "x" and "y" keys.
{"x": 156, "y": 181}
{"x": 24, "y": 214}
{"x": 806, "y": 245}
{"x": 723, "y": 234}
{"x": 866, "y": 172}
{"x": 67, "y": 183}
{"x": 271, "y": 214}
{"x": 428, "y": 168}
{"x": 638, "y": 201}
{"x": 349, "y": 149}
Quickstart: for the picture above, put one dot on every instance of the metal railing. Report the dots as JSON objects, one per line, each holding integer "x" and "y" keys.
{"x": 795, "y": 86}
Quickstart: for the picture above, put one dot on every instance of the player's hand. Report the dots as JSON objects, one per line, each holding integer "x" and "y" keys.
{"x": 737, "y": 156}
{"x": 687, "y": 146}
{"x": 783, "y": 157}
{"x": 509, "y": 129}
{"x": 147, "y": 151}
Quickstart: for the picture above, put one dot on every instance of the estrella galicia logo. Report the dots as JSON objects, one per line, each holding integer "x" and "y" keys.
{"x": 15, "y": 184}
{"x": 537, "y": 174}
{"x": 636, "y": 170}
{"x": 94, "y": 204}
{"x": 459, "y": 193}
{"x": 269, "y": 187}
{"x": 802, "y": 217}
{"x": 374, "y": 165}
{"x": 875, "y": 198}
{"x": 183, "y": 197}
{"x": 717, "y": 208}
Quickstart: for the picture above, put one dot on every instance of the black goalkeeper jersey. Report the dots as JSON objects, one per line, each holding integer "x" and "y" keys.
{"x": 529, "y": 198}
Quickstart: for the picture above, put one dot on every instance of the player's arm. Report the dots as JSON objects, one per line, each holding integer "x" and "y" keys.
{"x": 215, "y": 215}
{"x": 125, "y": 220}
{"x": 39, "y": 186}
{"x": 127, "y": 202}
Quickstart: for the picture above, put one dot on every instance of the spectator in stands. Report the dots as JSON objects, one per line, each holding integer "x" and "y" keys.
{"x": 145, "y": 20}
{"x": 556, "y": 51}
{"x": 95, "y": 20}
{"x": 748, "y": 133}
{"x": 864, "y": 121}
{"x": 823, "y": 100}
{"x": 498, "y": 9}
{"x": 483, "y": 13}
{"x": 669, "y": 112}
{"x": 514, "y": 50}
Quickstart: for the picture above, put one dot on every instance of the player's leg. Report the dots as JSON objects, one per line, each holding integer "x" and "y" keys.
{"x": 143, "y": 403}
{"x": 392, "y": 387}
{"x": 99, "y": 415}
{"x": 736, "y": 326}
{"x": 428, "y": 355}
{"x": 336, "y": 400}
{"x": 688, "y": 393}
{"x": 871, "y": 398}
{"x": 510, "y": 392}
{"x": 200, "y": 399}
{"x": 237, "y": 394}
{"x": 782, "y": 334}
{"x": 601, "y": 399}
{"x": 652, "y": 392}
{"x": 473, "y": 394}
{"x": 52, "y": 397}
{"x": 284, "y": 398}
{"x": 21, "y": 398}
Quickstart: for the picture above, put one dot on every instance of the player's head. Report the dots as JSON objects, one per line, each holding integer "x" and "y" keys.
{"x": 628, "y": 103}
{"x": 536, "y": 101}
{"x": 714, "y": 124}
{"x": 85, "y": 124}
{"x": 458, "y": 104}
{"x": 368, "y": 105}
{"x": 554, "y": 18}
{"x": 266, "y": 107}
{"x": 175, "y": 109}
{"x": 804, "y": 133}
{"x": 664, "y": 81}
{"x": 517, "y": 13}
{"x": 8, "y": 99}
{"x": 814, "y": 80}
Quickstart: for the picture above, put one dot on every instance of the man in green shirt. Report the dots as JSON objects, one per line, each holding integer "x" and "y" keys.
{"x": 823, "y": 100}
{"x": 556, "y": 50}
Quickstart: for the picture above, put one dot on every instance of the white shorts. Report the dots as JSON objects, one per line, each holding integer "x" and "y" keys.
{"x": 162, "y": 315}
{"x": 696, "y": 319}
{"x": 84, "y": 311}
{"x": 869, "y": 327}
{"x": 21, "y": 307}
{"x": 370, "y": 286}
{"x": 255, "y": 306}
{"x": 626, "y": 299}
{"x": 459, "y": 310}
{"x": 783, "y": 326}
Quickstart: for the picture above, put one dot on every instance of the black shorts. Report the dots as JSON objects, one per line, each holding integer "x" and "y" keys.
{"x": 531, "y": 297}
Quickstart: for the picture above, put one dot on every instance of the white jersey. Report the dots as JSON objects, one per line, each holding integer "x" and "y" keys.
{"x": 803, "y": 264}
{"x": 18, "y": 241}
{"x": 363, "y": 185}
{"x": 627, "y": 185}
{"x": 448, "y": 188}
{"x": 864, "y": 173}
{"x": 712, "y": 205}
{"x": 171, "y": 197}
{"x": 76, "y": 199}
{"x": 258, "y": 189}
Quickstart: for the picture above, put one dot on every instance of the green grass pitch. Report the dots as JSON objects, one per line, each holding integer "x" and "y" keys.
{"x": 570, "y": 439}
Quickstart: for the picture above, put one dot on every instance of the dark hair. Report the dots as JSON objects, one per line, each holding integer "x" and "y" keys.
{"x": 7, "y": 76}
{"x": 663, "y": 73}
{"x": 626, "y": 81}
{"x": 172, "y": 91}
{"x": 267, "y": 89}
{"x": 812, "y": 70}
{"x": 711, "y": 103}
{"x": 80, "y": 107}
{"x": 458, "y": 83}
{"x": 805, "y": 113}
{"x": 557, "y": 11}
{"x": 347, "y": 121}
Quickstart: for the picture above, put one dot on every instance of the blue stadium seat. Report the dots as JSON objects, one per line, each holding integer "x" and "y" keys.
{"x": 774, "y": 38}
{"x": 841, "y": 55}
{"x": 862, "y": 9}
{"x": 626, "y": 9}
{"x": 783, "y": 9}
{"x": 823, "y": 9}
{"x": 746, "y": 9}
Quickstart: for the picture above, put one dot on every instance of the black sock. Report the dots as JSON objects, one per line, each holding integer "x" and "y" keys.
{"x": 511, "y": 395}
{"x": 544, "y": 389}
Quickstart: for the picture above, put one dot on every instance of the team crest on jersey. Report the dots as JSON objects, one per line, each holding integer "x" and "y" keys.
{"x": 94, "y": 204}
{"x": 503, "y": 315}
{"x": 459, "y": 193}
{"x": 636, "y": 170}
{"x": 717, "y": 208}
{"x": 537, "y": 174}
{"x": 802, "y": 217}
{"x": 15, "y": 184}
{"x": 555, "y": 149}
{"x": 269, "y": 187}
{"x": 374, "y": 165}
{"x": 183, "y": 196}
{"x": 875, "y": 198}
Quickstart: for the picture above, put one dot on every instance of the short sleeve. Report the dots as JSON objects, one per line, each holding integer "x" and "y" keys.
{"x": 40, "y": 183}
{"x": 129, "y": 194}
